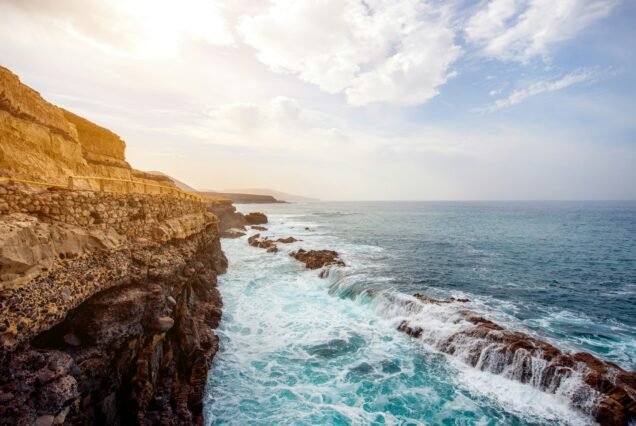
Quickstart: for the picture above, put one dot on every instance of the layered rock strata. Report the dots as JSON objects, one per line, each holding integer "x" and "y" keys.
{"x": 43, "y": 142}
{"x": 108, "y": 323}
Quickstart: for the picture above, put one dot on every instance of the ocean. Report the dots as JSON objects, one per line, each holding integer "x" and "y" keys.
{"x": 298, "y": 349}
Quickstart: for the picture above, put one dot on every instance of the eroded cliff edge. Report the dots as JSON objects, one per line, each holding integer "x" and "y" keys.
{"x": 108, "y": 300}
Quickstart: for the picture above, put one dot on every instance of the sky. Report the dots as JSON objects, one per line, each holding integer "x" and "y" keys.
{"x": 349, "y": 99}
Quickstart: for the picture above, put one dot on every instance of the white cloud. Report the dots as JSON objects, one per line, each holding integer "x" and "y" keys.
{"x": 539, "y": 87}
{"x": 396, "y": 51}
{"x": 141, "y": 29}
{"x": 522, "y": 29}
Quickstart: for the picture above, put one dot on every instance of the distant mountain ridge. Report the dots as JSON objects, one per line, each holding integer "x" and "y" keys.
{"x": 244, "y": 196}
{"x": 283, "y": 196}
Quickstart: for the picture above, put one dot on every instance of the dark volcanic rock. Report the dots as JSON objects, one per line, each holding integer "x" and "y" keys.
{"x": 491, "y": 347}
{"x": 315, "y": 259}
{"x": 287, "y": 240}
{"x": 256, "y": 218}
{"x": 263, "y": 242}
{"x": 136, "y": 353}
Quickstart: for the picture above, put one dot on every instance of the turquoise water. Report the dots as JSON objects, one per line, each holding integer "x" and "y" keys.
{"x": 297, "y": 349}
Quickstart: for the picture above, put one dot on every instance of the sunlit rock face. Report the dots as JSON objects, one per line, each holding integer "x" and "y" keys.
{"x": 108, "y": 299}
{"x": 45, "y": 143}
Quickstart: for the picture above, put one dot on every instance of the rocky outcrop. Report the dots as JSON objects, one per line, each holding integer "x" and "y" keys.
{"x": 597, "y": 387}
{"x": 108, "y": 298}
{"x": 316, "y": 259}
{"x": 228, "y": 217}
{"x": 135, "y": 351}
{"x": 263, "y": 242}
{"x": 256, "y": 218}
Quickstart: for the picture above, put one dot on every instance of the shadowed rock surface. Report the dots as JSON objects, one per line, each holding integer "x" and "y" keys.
{"x": 228, "y": 217}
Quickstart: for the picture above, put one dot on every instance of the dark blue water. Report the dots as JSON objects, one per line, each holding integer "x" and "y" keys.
{"x": 564, "y": 268}
{"x": 296, "y": 349}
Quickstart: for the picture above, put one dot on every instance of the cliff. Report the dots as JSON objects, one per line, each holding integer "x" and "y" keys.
{"x": 108, "y": 300}
{"x": 246, "y": 198}
{"x": 45, "y": 143}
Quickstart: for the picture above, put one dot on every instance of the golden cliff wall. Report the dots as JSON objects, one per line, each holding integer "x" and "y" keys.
{"x": 108, "y": 300}
{"x": 39, "y": 141}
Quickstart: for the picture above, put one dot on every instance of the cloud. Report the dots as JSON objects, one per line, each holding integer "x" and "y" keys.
{"x": 539, "y": 87}
{"x": 143, "y": 28}
{"x": 522, "y": 29}
{"x": 397, "y": 51}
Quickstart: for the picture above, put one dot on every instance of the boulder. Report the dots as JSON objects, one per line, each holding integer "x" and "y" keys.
{"x": 256, "y": 218}
{"x": 263, "y": 242}
{"x": 315, "y": 259}
{"x": 287, "y": 240}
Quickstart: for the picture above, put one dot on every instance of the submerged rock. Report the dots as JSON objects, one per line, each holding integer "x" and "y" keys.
{"x": 287, "y": 240}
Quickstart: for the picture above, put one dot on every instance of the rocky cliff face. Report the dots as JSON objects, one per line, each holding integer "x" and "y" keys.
{"x": 108, "y": 300}
{"x": 118, "y": 335}
{"x": 45, "y": 143}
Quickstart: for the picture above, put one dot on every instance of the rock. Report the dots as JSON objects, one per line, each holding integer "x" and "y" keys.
{"x": 232, "y": 233}
{"x": 44, "y": 420}
{"x": 258, "y": 228}
{"x": 287, "y": 240}
{"x": 256, "y": 218}
{"x": 262, "y": 242}
{"x": 315, "y": 259}
{"x": 227, "y": 215}
{"x": 428, "y": 299}
{"x": 163, "y": 324}
{"x": 171, "y": 301}
{"x": 494, "y": 348}
{"x": 6, "y": 397}
{"x": 43, "y": 142}
{"x": 72, "y": 339}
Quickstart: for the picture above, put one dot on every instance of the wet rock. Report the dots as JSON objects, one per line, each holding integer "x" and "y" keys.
{"x": 263, "y": 242}
{"x": 287, "y": 240}
{"x": 256, "y": 218}
{"x": 258, "y": 228}
{"x": 496, "y": 349}
{"x": 427, "y": 299}
{"x": 315, "y": 259}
